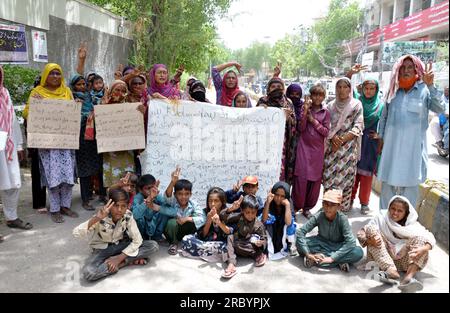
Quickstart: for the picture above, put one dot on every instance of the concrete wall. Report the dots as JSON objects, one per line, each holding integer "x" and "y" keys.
{"x": 67, "y": 23}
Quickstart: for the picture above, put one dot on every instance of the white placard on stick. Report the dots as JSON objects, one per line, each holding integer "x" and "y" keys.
{"x": 54, "y": 124}
{"x": 214, "y": 145}
{"x": 119, "y": 127}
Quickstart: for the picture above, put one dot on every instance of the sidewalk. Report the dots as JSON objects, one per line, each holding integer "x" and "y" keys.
{"x": 47, "y": 259}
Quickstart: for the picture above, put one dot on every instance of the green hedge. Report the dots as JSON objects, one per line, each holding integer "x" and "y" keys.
{"x": 19, "y": 81}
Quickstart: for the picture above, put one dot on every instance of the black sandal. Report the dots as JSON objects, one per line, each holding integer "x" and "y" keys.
{"x": 18, "y": 223}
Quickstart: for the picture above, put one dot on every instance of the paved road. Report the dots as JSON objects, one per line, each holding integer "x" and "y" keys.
{"x": 47, "y": 259}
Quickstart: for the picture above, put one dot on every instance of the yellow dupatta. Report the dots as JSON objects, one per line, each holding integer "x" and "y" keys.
{"x": 63, "y": 92}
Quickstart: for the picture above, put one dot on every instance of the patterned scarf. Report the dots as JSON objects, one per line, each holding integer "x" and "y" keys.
{"x": 6, "y": 117}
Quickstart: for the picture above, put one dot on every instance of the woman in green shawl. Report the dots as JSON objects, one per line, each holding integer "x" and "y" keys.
{"x": 372, "y": 108}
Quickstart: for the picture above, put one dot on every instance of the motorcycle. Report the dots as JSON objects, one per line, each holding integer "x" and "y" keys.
{"x": 443, "y": 119}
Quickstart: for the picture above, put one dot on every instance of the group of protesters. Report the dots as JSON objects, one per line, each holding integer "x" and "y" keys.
{"x": 339, "y": 146}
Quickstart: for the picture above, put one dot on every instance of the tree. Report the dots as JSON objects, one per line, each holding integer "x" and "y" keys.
{"x": 172, "y": 32}
{"x": 288, "y": 51}
{"x": 253, "y": 57}
{"x": 341, "y": 23}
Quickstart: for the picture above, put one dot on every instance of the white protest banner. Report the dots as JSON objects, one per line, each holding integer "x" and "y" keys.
{"x": 119, "y": 127}
{"x": 54, "y": 124}
{"x": 214, "y": 145}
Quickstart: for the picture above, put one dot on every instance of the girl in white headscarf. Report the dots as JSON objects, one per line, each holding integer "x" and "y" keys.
{"x": 396, "y": 241}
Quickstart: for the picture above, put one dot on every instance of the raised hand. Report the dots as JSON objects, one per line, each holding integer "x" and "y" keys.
{"x": 180, "y": 69}
{"x": 277, "y": 70}
{"x": 176, "y": 175}
{"x": 238, "y": 186}
{"x": 82, "y": 50}
{"x": 270, "y": 196}
{"x": 237, "y": 204}
{"x": 126, "y": 180}
{"x": 103, "y": 212}
{"x": 238, "y": 66}
{"x": 428, "y": 76}
{"x": 358, "y": 68}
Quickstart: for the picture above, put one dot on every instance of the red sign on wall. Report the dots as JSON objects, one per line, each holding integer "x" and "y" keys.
{"x": 431, "y": 17}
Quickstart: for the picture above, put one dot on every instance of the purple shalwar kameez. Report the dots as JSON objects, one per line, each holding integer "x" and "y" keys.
{"x": 310, "y": 156}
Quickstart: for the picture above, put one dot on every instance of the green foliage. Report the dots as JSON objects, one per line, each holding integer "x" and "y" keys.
{"x": 19, "y": 82}
{"x": 253, "y": 57}
{"x": 172, "y": 32}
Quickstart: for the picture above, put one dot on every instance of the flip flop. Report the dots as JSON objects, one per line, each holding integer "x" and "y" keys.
{"x": 173, "y": 249}
{"x": 228, "y": 274}
{"x": 384, "y": 278}
{"x": 412, "y": 286}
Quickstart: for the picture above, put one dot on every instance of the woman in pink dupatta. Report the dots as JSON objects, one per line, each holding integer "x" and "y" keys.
{"x": 160, "y": 85}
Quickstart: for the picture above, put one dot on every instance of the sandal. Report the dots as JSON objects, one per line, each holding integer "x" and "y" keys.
{"x": 412, "y": 286}
{"x": 87, "y": 206}
{"x": 173, "y": 249}
{"x": 18, "y": 223}
{"x": 228, "y": 274}
{"x": 68, "y": 212}
{"x": 57, "y": 217}
{"x": 260, "y": 260}
{"x": 384, "y": 278}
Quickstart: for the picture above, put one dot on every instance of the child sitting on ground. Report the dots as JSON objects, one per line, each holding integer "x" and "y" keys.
{"x": 279, "y": 219}
{"x": 249, "y": 238}
{"x": 146, "y": 208}
{"x": 210, "y": 241}
{"x": 114, "y": 238}
{"x": 186, "y": 216}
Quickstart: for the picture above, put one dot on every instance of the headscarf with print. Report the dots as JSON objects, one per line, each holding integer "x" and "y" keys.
{"x": 111, "y": 98}
{"x": 132, "y": 96}
{"x": 6, "y": 117}
{"x": 398, "y": 235}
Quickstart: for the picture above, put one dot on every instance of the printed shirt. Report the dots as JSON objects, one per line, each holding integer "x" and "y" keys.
{"x": 105, "y": 232}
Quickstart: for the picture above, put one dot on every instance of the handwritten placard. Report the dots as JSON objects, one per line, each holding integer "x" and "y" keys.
{"x": 214, "y": 145}
{"x": 54, "y": 124}
{"x": 119, "y": 127}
